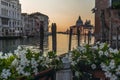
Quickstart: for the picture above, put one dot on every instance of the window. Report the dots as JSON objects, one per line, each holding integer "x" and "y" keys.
{"x": 4, "y": 21}
{"x": 4, "y": 12}
{"x": 9, "y": 5}
{"x": 4, "y": 3}
{"x": 116, "y": 4}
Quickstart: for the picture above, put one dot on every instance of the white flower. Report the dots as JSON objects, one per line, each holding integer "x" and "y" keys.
{"x": 106, "y": 53}
{"x": 9, "y": 54}
{"x": 95, "y": 47}
{"x": 19, "y": 47}
{"x": 40, "y": 57}
{"x": 81, "y": 49}
{"x": 108, "y": 74}
{"x": 1, "y": 55}
{"x": 73, "y": 63}
{"x": 5, "y": 73}
{"x": 102, "y": 45}
{"x": 20, "y": 69}
{"x": 98, "y": 42}
{"x": 104, "y": 67}
{"x": 93, "y": 66}
{"x": 112, "y": 64}
{"x": 76, "y": 73}
{"x": 111, "y": 50}
{"x": 100, "y": 53}
{"x": 113, "y": 77}
{"x": 26, "y": 74}
{"x": 115, "y": 51}
{"x": 118, "y": 70}
{"x": 34, "y": 63}
{"x": 5, "y": 56}
{"x": 24, "y": 61}
{"x": 14, "y": 62}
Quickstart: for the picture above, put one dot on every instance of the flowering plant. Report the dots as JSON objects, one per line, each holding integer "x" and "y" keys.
{"x": 25, "y": 63}
{"x": 86, "y": 59}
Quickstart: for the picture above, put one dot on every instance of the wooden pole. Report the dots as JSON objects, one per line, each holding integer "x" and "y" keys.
{"x": 117, "y": 36}
{"x": 85, "y": 36}
{"x": 110, "y": 30}
{"x": 54, "y": 42}
{"x": 70, "y": 39}
{"x": 78, "y": 36}
{"x": 88, "y": 37}
{"x": 41, "y": 37}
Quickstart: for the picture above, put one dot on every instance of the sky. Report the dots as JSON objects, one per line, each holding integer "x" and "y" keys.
{"x": 62, "y": 12}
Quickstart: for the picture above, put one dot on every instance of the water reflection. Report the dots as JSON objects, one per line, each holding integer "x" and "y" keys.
{"x": 62, "y": 43}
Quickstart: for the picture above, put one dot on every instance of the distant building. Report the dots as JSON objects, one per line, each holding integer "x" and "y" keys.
{"x": 10, "y": 18}
{"x": 107, "y": 19}
{"x": 32, "y": 22}
{"x": 83, "y": 27}
{"x": 40, "y": 19}
{"x": 28, "y": 24}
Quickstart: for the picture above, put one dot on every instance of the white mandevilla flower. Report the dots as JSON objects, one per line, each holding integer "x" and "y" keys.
{"x": 115, "y": 51}
{"x": 118, "y": 70}
{"x": 95, "y": 47}
{"x": 93, "y": 66}
{"x": 14, "y": 62}
{"x": 5, "y": 56}
{"x": 73, "y": 63}
{"x": 20, "y": 69}
{"x": 104, "y": 67}
{"x": 24, "y": 61}
{"x": 26, "y": 74}
{"x": 5, "y": 74}
{"x": 108, "y": 74}
{"x": 34, "y": 63}
{"x": 98, "y": 42}
{"x": 106, "y": 53}
{"x": 111, "y": 50}
{"x": 101, "y": 45}
{"x": 112, "y": 64}
{"x": 113, "y": 77}
{"x": 40, "y": 57}
{"x": 9, "y": 54}
{"x": 76, "y": 73}
{"x": 1, "y": 55}
{"x": 19, "y": 47}
{"x": 100, "y": 53}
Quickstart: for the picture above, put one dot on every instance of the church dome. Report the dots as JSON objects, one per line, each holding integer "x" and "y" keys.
{"x": 79, "y": 22}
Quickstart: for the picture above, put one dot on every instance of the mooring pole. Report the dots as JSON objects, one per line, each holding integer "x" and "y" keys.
{"x": 89, "y": 34}
{"x": 78, "y": 36}
{"x": 54, "y": 41}
{"x": 70, "y": 39}
{"x": 117, "y": 37}
{"x": 41, "y": 37}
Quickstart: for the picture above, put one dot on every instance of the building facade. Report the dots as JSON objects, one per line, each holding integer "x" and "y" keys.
{"x": 107, "y": 19}
{"x": 10, "y": 18}
{"x": 31, "y": 23}
{"x": 83, "y": 27}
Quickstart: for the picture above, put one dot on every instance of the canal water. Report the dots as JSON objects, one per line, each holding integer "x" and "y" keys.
{"x": 10, "y": 45}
